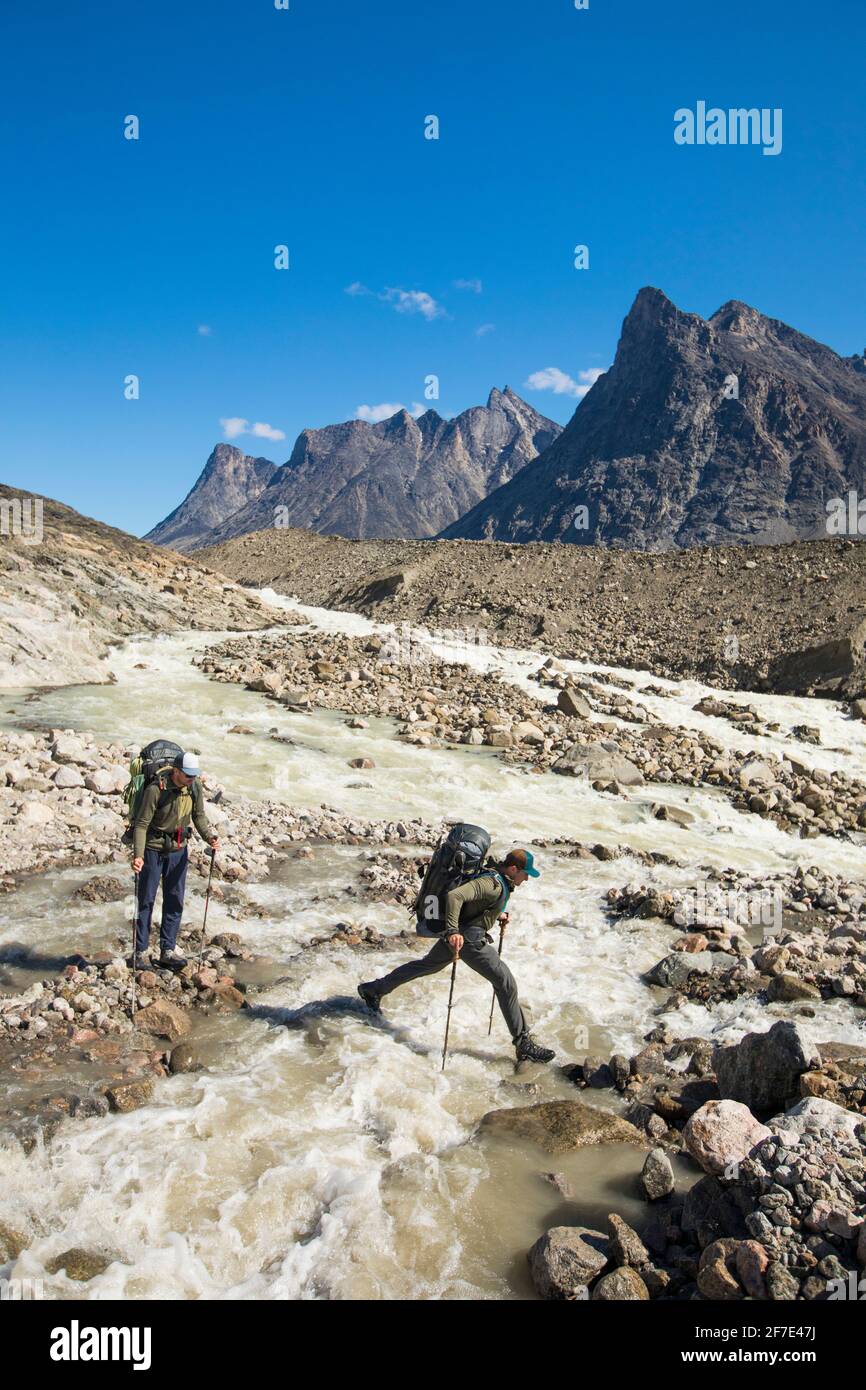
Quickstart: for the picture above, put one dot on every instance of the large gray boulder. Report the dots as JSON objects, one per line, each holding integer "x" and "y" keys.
{"x": 573, "y": 704}
{"x": 674, "y": 970}
{"x": 657, "y": 1175}
{"x": 559, "y": 1126}
{"x": 762, "y": 1070}
{"x": 817, "y": 1116}
{"x": 621, "y": 1286}
{"x": 599, "y": 762}
{"x": 566, "y": 1259}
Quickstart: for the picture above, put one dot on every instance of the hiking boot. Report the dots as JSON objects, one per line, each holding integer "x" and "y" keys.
{"x": 140, "y": 961}
{"x": 370, "y": 998}
{"x": 528, "y": 1050}
{"x": 172, "y": 960}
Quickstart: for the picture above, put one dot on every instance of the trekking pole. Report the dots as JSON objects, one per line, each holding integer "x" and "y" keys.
{"x": 493, "y": 1000}
{"x": 206, "y": 902}
{"x": 134, "y": 944}
{"x": 450, "y": 1005}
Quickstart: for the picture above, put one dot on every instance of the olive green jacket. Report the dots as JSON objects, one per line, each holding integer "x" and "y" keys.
{"x": 162, "y": 814}
{"x": 483, "y": 898}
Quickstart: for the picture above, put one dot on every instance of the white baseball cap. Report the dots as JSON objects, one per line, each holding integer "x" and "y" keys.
{"x": 188, "y": 765}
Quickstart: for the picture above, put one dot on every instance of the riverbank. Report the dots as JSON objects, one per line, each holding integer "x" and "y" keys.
{"x": 72, "y": 589}
{"x": 787, "y": 618}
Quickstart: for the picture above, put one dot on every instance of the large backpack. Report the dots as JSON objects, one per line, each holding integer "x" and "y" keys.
{"x": 153, "y": 764}
{"x": 459, "y": 857}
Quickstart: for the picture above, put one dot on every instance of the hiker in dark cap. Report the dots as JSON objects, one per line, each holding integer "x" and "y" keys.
{"x": 471, "y": 911}
{"x": 160, "y": 830}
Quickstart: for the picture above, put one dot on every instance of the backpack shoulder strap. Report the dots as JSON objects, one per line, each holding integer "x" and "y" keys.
{"x": 503, "y": 881}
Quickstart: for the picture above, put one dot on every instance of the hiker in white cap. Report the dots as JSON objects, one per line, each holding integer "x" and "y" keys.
{"x": 161, "y": 829}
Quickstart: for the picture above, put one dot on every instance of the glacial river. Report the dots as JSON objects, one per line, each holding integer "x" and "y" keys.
{"x": 323, "y": 1156}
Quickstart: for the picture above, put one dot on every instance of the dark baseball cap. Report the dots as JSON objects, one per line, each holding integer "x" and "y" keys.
{"x": 522, "y": 859}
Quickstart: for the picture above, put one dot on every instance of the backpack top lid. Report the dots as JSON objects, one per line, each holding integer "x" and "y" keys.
{"x": 160, "y": 753}
{"x": 472, "y": 841}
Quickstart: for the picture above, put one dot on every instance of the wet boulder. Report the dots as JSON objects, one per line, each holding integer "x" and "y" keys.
{"x": 762, "y": 1071}
{"x": 164, "y": 1020}
{"x": 184, "y": 1058}
{"x": 80, "y": 1265}
{"x": 674, "y": 970}
{"x": 788, "y": 988}
{"x": 722, "y": 1133}
{"x": 559, "y": 1126}
{"x": 657, "y": 1175}
{"x": 565, "y": 1260}
{"x": 599, "y": 762}
{"x": 12, "y": 1242}
{"x": 622, "y": 1285}
{"x": 102, "y": 890}
{"x": 130, "y": 1095}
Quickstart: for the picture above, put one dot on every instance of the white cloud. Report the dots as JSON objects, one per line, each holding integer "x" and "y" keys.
{"x": 474, "y": 285}
{"x": 266, "y": 431}
{"x": 204, "y": 330}
{"x": 561, "y": 384}
{"x": 414, "y": 302}
{"x": 235, "y": 425}
{"x": 483, "y": 329}
{"x": 356, "y": 288}
{"x": 373, "y": 414}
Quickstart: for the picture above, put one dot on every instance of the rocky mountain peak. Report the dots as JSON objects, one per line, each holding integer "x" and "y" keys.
{"x": 737, "y": 317}
{"x": 228, "y": 480}
{"x": 733, "y": 429}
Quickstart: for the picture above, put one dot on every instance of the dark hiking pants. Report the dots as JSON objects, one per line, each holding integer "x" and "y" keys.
{"x": 481, "y": 957}
{"x": 171, "y": 869}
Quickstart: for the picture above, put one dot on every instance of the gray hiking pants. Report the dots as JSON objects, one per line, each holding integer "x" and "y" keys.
{"x": 481, "y": 957}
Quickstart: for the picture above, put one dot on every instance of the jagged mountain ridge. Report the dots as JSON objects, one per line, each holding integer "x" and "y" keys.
{"x": 401, "y": 477}
{"x": 662, "y": 454}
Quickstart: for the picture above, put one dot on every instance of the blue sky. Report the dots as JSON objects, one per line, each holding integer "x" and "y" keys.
{"x": 305, "y": 127}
